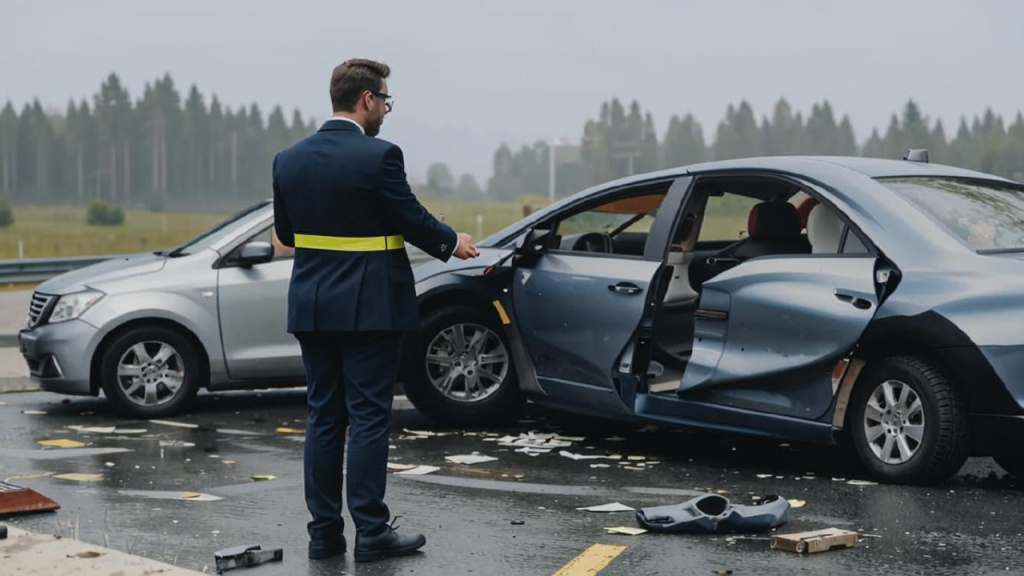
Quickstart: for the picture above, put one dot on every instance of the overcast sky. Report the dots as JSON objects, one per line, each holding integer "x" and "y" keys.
{"x": 470, "y": 74}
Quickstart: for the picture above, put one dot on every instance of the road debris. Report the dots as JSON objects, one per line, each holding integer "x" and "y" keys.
{"x": 29, "y": 476}
{"x": 33, "y": 412}
{"x": 93, "y": 429}
{"x": 290, "y": 431}
{"x": 588, "y": 456}
{"x": 419, "y": 471}
{"x": 15, "y": 499}
{"x": 87, "y": 554}
{"x": 862, "y": 483}
{"x": 517, "y": 522}
{"x": 713, "y": 513}
{"x": 763, "y": 476}
{"x": 396, "y": 467}
{"x": 600, "y": 466}
{"x": 176, "y": 444}
{"x": 130, "y": 431}
{"x": 170, "y": 495}
{"x": 816, "y": 541}
{"x": 613, "y": 507}
{"x": 62, "y": 443}
{"x": 626, "y": 530}
{"x": 245, "y": 557}
{"x": 797, "y": 503}
{"x": 545, "y": 442}
{"x": 470, "y": 458}
{"x": 263, "y": 477}
{"x": 77, "y": 477}
{"x": 633, "y": 468}
{"x": 175, "y": 424}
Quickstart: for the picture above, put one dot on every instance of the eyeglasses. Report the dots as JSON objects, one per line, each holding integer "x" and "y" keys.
{"x": 387, "y": 98}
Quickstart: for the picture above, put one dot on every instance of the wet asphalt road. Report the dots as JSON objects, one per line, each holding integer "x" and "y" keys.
{"x": 971, "y": 525}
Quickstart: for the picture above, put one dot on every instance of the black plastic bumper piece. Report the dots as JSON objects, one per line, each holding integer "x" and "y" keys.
{"x": 715, "y": 514}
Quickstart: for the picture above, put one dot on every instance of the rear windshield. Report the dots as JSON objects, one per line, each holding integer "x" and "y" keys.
{"x": 987, "y": 215}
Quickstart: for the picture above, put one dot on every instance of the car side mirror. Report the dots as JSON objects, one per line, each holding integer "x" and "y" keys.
{"x": 255, "y": 253}
{"x": 530, "y": 246}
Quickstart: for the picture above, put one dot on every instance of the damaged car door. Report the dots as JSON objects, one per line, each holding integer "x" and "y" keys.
{"x": 579, "y": 303}
{"x": 769, "y": 331}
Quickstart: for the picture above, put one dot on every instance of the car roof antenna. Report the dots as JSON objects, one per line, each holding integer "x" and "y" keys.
{"x": 916, "y": 155}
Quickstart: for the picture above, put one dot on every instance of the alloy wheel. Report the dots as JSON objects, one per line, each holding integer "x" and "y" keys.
{"x": 467, "y": 362}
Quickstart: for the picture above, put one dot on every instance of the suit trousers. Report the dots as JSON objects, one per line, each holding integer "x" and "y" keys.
{"x": 351, "y": 380}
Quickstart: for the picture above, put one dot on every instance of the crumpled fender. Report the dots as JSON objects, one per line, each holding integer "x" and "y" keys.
{"x": 713, "y": 513}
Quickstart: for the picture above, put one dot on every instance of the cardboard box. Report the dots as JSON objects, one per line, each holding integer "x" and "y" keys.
{"x": 816, "y": 541}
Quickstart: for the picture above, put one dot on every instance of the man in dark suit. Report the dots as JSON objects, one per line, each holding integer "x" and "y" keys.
{"x": 341, "y": 199}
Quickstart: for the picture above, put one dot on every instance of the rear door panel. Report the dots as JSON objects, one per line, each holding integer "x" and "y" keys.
{"x": 770, "y": 330}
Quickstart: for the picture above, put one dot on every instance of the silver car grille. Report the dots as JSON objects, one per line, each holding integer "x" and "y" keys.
{"x": 37, "y": 307}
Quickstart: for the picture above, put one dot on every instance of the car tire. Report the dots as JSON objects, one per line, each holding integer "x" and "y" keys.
{"x": 423, "y": 379}
{"x": 931, "y": 419}
{"x": 150, "y": 372}
{"x": 1012, "y": 464}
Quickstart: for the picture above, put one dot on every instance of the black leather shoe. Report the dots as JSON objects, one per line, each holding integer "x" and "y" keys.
{"x": 323, "y": 549}
{"x": 387, "y": 544}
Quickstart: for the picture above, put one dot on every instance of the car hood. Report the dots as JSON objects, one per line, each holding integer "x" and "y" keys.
{"x": 117, "y": 268}
{"x": 430, "y": 268}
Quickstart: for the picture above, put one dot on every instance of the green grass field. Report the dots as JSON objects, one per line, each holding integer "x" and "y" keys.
{"x": 47, "y": 232}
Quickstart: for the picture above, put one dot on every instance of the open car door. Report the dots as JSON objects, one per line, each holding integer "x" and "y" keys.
{"x": 769, "y": 332}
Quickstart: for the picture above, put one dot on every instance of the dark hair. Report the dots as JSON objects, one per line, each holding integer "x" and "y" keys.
{"x": 353, "y": 77}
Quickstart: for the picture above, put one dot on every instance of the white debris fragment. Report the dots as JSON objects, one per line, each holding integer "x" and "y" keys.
{"x": 763, "y": 476}
{"x": 175, "y": 424}
{"x": 470, "y": 459}
{"x": 588, "y": 456}
{"x": 176, "y": 444}
{"x": 600, "y": 466}
{"x": 625, "y": 530}
{"x": 613, "y": 507}
{"x": 396, "y": 467}
{"x": 862, "y": 483}
{"x": 419, "y": 471}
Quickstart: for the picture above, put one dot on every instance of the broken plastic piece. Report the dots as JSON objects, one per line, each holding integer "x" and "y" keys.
{"x": 263, "y": 477}
{"x": 289, "y": 431}
{"x": 715, "y": 514}
{"x": 176, "y": 424}
{"x": 245, "y": 557}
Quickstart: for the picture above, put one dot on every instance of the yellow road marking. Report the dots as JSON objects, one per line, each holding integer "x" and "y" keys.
{"x": 591, "y": 561}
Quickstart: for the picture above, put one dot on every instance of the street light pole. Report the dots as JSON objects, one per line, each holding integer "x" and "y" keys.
{"x": 551, "y": 172}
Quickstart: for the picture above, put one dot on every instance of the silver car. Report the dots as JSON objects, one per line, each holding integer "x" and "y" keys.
{"x": 151, "y": 329}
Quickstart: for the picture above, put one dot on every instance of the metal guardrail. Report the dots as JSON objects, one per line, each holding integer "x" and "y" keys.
{"x": 29, "y": 270}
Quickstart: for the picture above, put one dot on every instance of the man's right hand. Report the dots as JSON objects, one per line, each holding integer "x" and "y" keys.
{"x": 466, "y": 248}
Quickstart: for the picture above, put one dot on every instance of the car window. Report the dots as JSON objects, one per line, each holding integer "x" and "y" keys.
{"x": 625, "y": 221}
{"x": 725, "y": 217}
{"x": 234, "y": 225}
{"x": 988, "y": 216}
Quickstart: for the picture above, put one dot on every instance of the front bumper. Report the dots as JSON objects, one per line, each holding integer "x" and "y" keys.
{"x": 59, "y": 356}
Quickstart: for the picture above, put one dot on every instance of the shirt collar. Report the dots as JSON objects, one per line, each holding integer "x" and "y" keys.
{"x": 343, "y": 119}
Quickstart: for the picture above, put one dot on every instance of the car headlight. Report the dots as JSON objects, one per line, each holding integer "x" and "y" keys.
{"x": 74, "y": 305}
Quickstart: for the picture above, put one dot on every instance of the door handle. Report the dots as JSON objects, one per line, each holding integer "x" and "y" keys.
{"x": 853, "y": 299}
{"x": 625, "y": 288}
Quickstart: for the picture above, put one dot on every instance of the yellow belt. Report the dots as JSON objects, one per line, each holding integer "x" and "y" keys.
{"x": 350, "y": 244}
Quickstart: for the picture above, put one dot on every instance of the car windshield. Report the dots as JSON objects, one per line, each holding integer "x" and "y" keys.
{"x": 211, "y": 237}
{"x": 987, "y": 215}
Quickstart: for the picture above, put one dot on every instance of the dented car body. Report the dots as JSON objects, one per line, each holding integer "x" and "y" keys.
{"x": 871, "y": 301}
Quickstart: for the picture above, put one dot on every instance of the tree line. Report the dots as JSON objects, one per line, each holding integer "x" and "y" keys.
{"x": 619, "y": 143}
{"x": 159, "y": 151}
{"x": 166, "y": 150}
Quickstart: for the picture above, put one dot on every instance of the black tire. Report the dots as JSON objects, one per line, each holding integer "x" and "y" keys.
{"x": 502, "y": 405}
{"x": 1012, "y": 464}
{"x": 944, "y": 444}
{"x": 185, "y": 362}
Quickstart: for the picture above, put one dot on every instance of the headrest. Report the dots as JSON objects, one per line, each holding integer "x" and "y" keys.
{"x": 804, "y": 209}
{"x": 773, "y": 220}
{"x": 824, "y": 229}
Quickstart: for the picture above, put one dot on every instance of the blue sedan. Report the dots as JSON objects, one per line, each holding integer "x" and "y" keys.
{"x": 819, "y": 299}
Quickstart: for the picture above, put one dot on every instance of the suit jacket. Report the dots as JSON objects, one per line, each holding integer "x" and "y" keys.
{"x": 339, "y": 182}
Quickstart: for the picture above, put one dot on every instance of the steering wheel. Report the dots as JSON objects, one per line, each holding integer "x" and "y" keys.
{"x": 594, "y": 242}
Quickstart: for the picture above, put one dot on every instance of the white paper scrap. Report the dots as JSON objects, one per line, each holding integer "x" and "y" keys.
{"x": 588, "y": 456}
{"x": 419, "y": 470}
{"x": 470, "y": 459}
{"x": 175, "y": 424}
{"x": 396, "y": 467}
{"x": 626, "y": 530}
{"x": 613, "y": 507}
